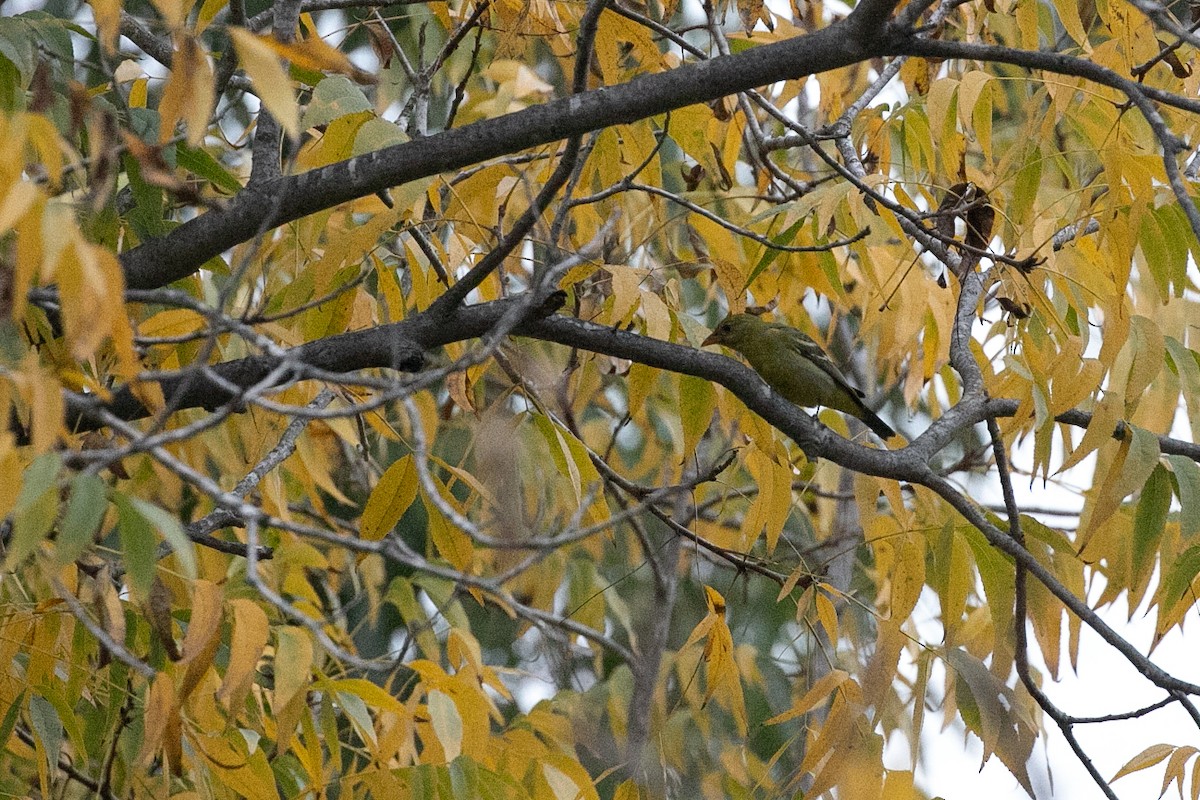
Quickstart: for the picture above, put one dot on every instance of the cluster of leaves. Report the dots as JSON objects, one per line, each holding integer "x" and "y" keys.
{"x": 262, "y": 538}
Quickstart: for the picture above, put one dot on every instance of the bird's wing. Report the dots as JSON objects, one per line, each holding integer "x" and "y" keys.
{"x": 806, "y": 348}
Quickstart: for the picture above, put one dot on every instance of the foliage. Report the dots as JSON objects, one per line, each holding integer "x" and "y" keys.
{"x": 350, "y": 357}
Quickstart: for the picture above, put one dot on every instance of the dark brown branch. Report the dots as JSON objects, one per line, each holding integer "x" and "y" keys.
{"x": 161, "y": 261}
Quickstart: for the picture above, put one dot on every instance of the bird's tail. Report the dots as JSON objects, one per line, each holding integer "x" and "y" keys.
{"x": 878, "y": 426}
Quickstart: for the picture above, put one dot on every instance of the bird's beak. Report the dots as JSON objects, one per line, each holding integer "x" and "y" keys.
{"x": 712, "y": 339}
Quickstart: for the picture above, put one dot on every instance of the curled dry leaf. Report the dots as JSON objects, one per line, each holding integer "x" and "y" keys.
{"x": 969, "y": 203}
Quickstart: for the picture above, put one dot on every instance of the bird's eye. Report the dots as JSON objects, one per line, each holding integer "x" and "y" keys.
{"x": 725, "y": 328}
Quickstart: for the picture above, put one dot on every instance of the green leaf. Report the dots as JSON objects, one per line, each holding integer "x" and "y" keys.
{"x": 334, "y": 97}
{"x": 69, "y": 721}
{"x": 85, "y": 512}
{"x": 1178, "y": 576}
{"x": 1025, "y": 187}
{"x": 36, "y": 508}
{"x": 1187, "y": 481}
{"x": 12, "y": 92}
{"x": 16, "y": 45}
{"x": 360, "y": 716}
{"x": 1056, "y": 539}
{"x": 996, "y": 572}
{"x": 171, "y": 530}
{"x": 1184, "y": 362}
{"x": 47, "y": 727}
{"x": 771, "y": 253}
{"x": 147, "y": 213}
{"x": 52, "y": 34}
{"x": 10, "y": 717}
{"x": 697, "y": 400}
{"x": 376, "y": 134}
{"x": 138, "y": 543}
{"x": 990, "y": 713}
{"x": 403, "y": 595}
{"x": 38, "y": 479}
{"x": 200, "y": 161}
{"x": 1149, "y": 520}
{"x": 585, "y": 596}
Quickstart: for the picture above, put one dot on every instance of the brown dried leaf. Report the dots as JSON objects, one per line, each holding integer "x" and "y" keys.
{"x": 692, "y": 177}
{"x": 1015, "y": 308}
{"x": 967, "y": 202}
{"x": 156, "y": 171}
{"x": 1171, "y": 56}
{"x": 158, "y": 613}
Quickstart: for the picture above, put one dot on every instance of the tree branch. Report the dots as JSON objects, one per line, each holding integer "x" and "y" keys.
{"x": 161, "y": 261}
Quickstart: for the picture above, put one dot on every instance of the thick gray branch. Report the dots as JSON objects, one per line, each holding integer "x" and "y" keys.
{"x": 159, "y": 262}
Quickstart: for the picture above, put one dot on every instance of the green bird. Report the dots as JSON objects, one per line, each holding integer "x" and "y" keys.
{"x": 795, "y": 366}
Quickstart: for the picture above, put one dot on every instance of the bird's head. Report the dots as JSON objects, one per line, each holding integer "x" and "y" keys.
{"x": 734, "y": 330}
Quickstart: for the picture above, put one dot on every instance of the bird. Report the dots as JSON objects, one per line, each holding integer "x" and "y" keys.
{"x": 795, "y": 366}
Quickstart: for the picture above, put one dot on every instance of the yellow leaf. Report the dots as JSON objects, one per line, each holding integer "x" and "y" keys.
{"x": 447, "y": 723}
{"x": 175, "y": 322}
{"x": 773, "y": 503}
{"x": 1135, "y": 458}
{"x": 173, "y": 12}
{"x": 658, "y": 316}
{"x": 203, "y": 635}
{"x": 107, "y": 14}
{"x": 389, "y": 295}
{"x": 314, "y": 54}
{"x": 459, "y": 389}
{"x": 371, "y": 693}
{"x": 189, "y": 93}
{"x": 571, "y": 457}
{"x": 1176, "y": 767}
{"x": 246, "y": 647}
{"x": 817, "y": 692}
{"x": 49, "y": 146}
{"x": 724, "y": 681}
{"x": 701, "y": 630}
{"x": 915, "y": 75}
{"x": 138, "y": 92}
{"x": 715, "y": 601}
{"x": 390, "y": 498}
{"x": 148, "y": 393}
{"x": 1099, "y": 431}
{"x": 293, "y": 663}
{"x": 88, "y": 302}
{"x": 46, "y": 404}
{"x": 316, "y": 464}
{"x": 975, "y": 107}
{"x": 451, "y": 542}
{"x": 626, "y": 294}
{"x": 10, "y": 464}
{"x": 517, "y": 78}
{"x": 246, "y": 773}
{"x": 161, "y": 704}
{"x": 1068, "y": 14}
{"x": 271, "y": 81}
{"x": 630, "y": 790}
{"x": 908, "y": 579}
{"x": 827, "y": 614}
{"x": 1147, "y": 758}
{"x": 20, "y": 198}
{"x": 1149, "y": 347}
{"x": 208, "y": 11}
